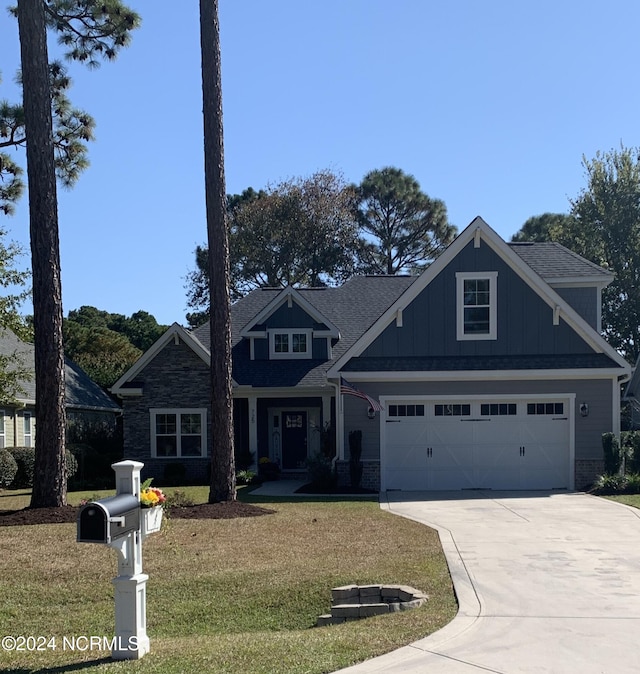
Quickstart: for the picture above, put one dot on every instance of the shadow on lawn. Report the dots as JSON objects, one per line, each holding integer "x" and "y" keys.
{"x": 74, "y": 667}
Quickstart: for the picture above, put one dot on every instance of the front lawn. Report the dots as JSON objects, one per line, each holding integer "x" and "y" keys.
{"x": 627, "y": 499}
{"x": 226, "y": 596}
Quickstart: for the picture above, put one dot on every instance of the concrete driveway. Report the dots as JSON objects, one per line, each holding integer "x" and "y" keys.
{"x": 546, "y": 582}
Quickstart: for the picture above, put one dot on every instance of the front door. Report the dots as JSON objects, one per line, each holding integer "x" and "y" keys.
{"x": 294, "y": 440}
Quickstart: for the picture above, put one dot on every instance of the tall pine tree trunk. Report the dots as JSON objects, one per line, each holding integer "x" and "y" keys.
{"x": 223, "y": 479}
{"x": 49, "y": 483}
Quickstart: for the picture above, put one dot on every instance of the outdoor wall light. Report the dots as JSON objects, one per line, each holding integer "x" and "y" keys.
{"x": 371, "y": 413}
{"x": 584, "y": 410}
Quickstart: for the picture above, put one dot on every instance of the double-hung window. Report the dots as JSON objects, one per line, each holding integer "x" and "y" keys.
{"x": 476, "y": 294}
{"x": 27, "y": 429}
{"x": 178, "y": 433}
{"x": 290, "y": 343}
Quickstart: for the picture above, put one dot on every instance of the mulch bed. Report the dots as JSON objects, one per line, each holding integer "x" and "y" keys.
{"x": 69, "y": 514}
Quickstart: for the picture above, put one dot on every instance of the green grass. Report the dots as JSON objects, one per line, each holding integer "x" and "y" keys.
{"x": 627, "y": 499}
{"x": 226, "y": 596}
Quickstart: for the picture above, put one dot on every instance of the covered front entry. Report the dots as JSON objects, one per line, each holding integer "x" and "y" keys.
{"x": 293, "y": 436}
{"x": 480, "y": 443}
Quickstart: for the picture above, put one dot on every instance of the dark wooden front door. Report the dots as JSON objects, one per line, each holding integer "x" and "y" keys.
{"x": 294, "y": 440}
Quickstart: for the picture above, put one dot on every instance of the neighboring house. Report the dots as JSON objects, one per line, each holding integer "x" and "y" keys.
{"x": 18, "y": 419}
{"x": 489, "y": 367}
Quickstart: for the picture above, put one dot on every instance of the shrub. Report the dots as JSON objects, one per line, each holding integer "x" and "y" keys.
{"x": 322, "y": 475}
{"x": 631, "y": 443}
{"x": 178, "y": 499}
{"x": 8, "y": 468}
{"x": 612, "y": 454}
{"x": 632, "y": 483}
{"x": 25, "y": 457}
{"x": 610, "y": 484}
{"x": 245, "y": 477}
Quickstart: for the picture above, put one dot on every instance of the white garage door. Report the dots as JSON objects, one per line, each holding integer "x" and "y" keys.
{"x": 486, "y": 443}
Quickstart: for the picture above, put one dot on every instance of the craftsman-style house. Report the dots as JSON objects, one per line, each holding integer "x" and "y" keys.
{"x": 489, "y": 370}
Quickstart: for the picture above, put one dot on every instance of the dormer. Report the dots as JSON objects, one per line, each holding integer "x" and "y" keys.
{"x": 290, "y": 327}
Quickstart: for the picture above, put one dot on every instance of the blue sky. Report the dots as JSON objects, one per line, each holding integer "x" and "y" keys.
{"x": 490, "y": 105}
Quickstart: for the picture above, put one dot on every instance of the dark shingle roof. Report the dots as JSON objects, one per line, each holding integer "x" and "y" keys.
{"x": 353, "y": 308}
{"x": 551, "y": 260}
{"x": 81, "y": 392}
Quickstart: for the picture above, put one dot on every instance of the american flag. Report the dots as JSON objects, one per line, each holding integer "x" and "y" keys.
{"x": 349, "y": 389}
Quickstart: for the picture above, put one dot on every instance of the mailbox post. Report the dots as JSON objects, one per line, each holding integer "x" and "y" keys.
{"x": 116, "y": 522}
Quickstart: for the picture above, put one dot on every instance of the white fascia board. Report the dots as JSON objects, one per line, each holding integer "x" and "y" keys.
{"x": 479, "y": 228}
{"x": 282, "y": 392}
{"x": 128, "y": 392}
{"x": 578, "y": 282}
{"x": 482, "y": 375}
{"x": 289, "y": 294}
{"x": 174, "y": 330}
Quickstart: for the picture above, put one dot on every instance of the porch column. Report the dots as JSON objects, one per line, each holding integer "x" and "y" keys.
{"x": 252, "y": 403}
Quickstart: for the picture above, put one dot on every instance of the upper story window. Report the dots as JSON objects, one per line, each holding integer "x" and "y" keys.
{"x": 178, "y": 432}
{"x": 476, "y": 305}
{"x": 290, "y": 343}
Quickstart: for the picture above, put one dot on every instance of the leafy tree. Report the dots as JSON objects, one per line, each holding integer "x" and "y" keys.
{"x": 12, "y": 281}
{"x": 607, "y": 231}
{"x": 105, "y": 345}
{"x": 545, "y": 227}
{"x": 298, "y": 232}
{"x": 408, "y": 228}
{"x": 604, "y": 227}
{"x": 87, "y": 29}
{"x": 223, "y": 474}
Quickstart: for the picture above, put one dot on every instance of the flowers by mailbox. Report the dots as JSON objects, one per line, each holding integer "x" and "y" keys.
{"x": 108, "y": 519}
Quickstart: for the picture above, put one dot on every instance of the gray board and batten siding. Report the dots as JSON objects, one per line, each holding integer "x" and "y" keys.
{"x": 524, "y": 320}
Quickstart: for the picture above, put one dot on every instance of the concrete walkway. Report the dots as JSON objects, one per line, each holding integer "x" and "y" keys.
{"x": 545, "y": 583}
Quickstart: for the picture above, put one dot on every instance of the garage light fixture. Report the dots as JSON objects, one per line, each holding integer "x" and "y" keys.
{"x": 584, "y": 409}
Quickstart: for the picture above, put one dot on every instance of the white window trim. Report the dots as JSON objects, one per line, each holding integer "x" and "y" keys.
{"x": 492, "y": 277}
{"x": 3, "y": 429}
{"x": 202, "y": 411}
{"x": 289, "y": 355}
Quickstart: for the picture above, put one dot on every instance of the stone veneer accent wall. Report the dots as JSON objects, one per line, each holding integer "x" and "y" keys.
{"x": 370, "y": 474}
{"x": 165, "y": 385}
{"x": 587, "y": 470}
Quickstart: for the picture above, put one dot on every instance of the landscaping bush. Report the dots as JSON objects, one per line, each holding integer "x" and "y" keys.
{"x": 8, "y": 468}
{"x": 25, "y": 458}
{"x": 607, "y": 485}
{"x": 630, "y": 441}
{"x": 322, "y": 475}
{"x": 612, "y": 454}
{"x": 245, "y": 477}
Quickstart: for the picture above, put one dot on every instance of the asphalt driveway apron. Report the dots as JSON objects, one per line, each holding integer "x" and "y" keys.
{"x": 546, "y": 582}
